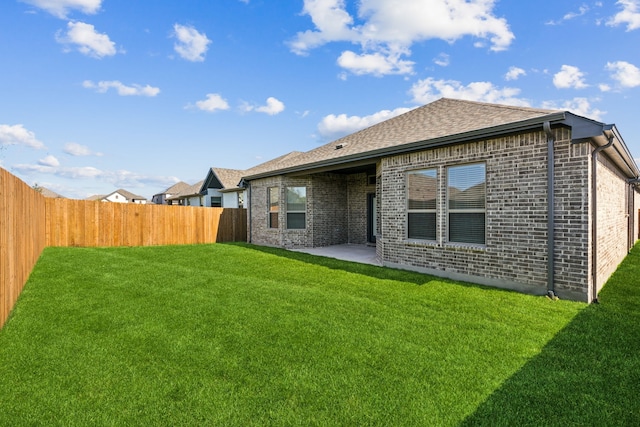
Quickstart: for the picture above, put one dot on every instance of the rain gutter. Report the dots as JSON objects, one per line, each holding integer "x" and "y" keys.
{"x": 594, "y": 204}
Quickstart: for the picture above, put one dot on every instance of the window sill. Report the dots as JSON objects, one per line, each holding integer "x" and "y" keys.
{"x": 417, "y": 242}
{"x": 466, "y": 246}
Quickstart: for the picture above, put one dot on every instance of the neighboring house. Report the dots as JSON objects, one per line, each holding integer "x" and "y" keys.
{"x": 539, "y": 201}
{"x": 220, "y": 188}
{"x": 189, "y": 196}
{"x": 48, "y": 193}
{"x": 119, "y": 196}
{"x": 175, "y": 189}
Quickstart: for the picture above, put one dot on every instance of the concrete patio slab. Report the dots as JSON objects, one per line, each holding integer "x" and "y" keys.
{"x": 356, "y": 253}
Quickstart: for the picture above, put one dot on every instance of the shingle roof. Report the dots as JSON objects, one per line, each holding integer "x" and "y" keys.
{"x": 129, "y": 195}
{"x": 50, "y": 194}
{"x": 442, "y": 118}
{"x": 229, "y": 178}
{"x": 191, "y": 190}
{"x": 175, "y": 188}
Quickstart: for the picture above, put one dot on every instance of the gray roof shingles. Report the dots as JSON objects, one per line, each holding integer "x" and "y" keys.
{"x": 442, "y": 118}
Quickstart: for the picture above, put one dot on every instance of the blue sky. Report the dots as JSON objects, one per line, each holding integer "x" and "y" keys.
{"x": 97, "y": 95}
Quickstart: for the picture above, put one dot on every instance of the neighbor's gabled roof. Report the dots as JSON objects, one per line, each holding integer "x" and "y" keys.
{"x": 189, "y": 191}
{"x": 50, "y": 194}
{"x": 129, "y": 196}
{"x": 221, "y": 179}
{"x": 430, "y": 125}
{"x": 174, "y": 189}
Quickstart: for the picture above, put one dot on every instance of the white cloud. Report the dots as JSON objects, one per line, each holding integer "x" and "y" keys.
{"x": 74, "y": 149}
{"x": 18, "y": 135}
{"x": 442, "y": 60}
{"x": 377, "y": 63}
{"x": 626, "y": 74}
{"x": 123, "y": 90}
{"x": 569, "y": 77}
{"x": 430, "y": 89}
{"x": 212, "y": 103}
{"x": 119, "y": 178}
{"x": 61, "y": 8}
{"x": 87, "y": 40}
{"x": 582, "y": 10}
{"x": 579, "y": 106}
{"x": 387, "y": 29}
{"x": 334, "y": 126}
{"x": 274, "y": 106}
{"x": 629, "y": 15}
{"x": 191, "y": 44}
{"x": 514, "y": 73}
{"x": 49, "y": 161}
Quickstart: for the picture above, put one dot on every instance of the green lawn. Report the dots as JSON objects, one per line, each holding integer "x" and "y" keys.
{"x": 237, "y": 335}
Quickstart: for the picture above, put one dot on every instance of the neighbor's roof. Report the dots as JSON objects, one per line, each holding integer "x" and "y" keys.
{"x": 222, "y": 179}
{"x": 175, "y": 188}
{"x": 439, "y": 120}
{"x": 127, "y": 195}
{"x": 189, "y": 191}
{"x": 229, "y": 178}
{"x": 50, "y": 194}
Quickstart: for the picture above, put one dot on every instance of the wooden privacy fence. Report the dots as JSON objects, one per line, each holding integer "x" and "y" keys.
{"x": 89, "y": 223}
{"x": 22, "y": 237}
{"x": 29, "y": 222}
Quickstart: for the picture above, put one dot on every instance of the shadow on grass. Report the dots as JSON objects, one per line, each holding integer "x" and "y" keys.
{"x": 377, "y": 272}
{"x": 588, "y": 375}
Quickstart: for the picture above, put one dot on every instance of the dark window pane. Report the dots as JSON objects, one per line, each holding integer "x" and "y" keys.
{"x": 296, "y": 221}
{"x": 422, "y": 225}
{"x": 467, "y": 228}
{"x": 273, "y": 220}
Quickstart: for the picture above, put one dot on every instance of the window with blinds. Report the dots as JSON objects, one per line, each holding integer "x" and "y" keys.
{"x": 422, "y": 189}
{"x": 466, "y": 199}
{"x": 296, "y": 207}
{"x": 273, "y": 206}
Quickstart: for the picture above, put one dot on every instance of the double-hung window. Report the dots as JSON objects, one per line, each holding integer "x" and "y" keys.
{"x": 296, "y": 207}
{"x": 466, "y": 197}
{"x": 273, "y": 206}
{"x": 422, "y": 190}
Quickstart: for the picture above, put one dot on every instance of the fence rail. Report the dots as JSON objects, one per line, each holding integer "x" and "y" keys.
{"x": 29, "y": 222}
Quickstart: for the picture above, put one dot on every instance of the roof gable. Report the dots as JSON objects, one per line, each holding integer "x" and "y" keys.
{"x": 222, "y": 179}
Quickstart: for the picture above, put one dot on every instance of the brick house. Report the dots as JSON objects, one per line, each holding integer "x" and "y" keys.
{"x": 538, "y": 201}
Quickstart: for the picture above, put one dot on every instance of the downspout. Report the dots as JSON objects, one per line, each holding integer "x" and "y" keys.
{"x": 247, "y": 185}
{"x": 551, "y": 293}
{"x": 594, "y": 215}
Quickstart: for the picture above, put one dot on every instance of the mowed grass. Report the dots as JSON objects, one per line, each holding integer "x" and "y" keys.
{"x": 234, "y": 334}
